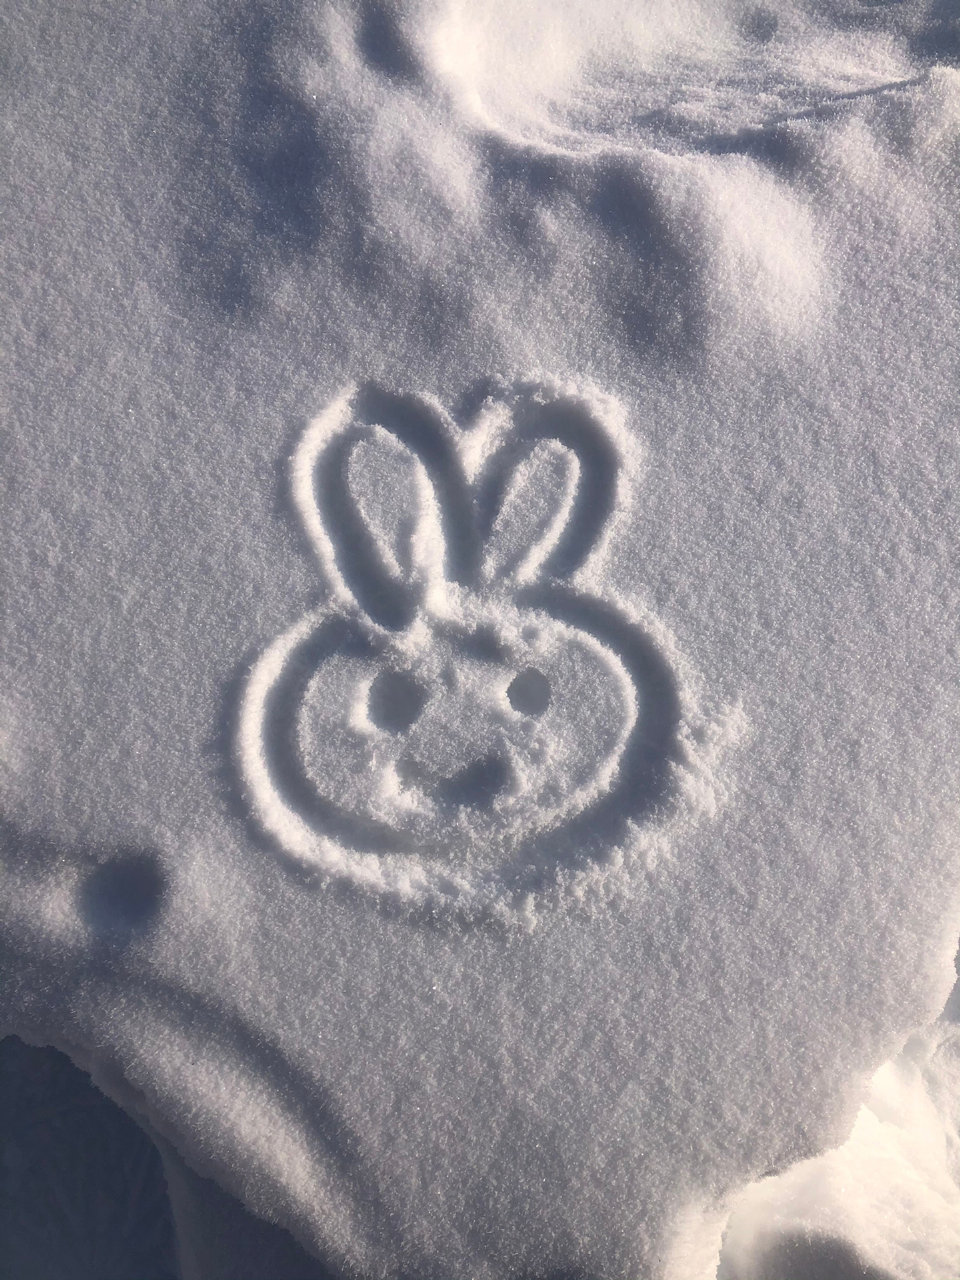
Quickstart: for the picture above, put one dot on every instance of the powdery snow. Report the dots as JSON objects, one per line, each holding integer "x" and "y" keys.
{"x": 478, "y": 670}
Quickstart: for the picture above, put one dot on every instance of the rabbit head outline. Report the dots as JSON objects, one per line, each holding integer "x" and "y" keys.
{"x": 460, "y": 711}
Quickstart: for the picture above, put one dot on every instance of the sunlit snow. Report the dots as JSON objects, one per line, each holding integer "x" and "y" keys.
{"x": 479, "y": 689}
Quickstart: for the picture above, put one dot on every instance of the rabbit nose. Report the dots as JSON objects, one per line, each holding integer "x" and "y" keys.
{"x": 478, "y": 784}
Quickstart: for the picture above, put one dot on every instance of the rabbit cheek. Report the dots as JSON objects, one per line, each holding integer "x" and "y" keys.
{"x": 333, "y": 744}
{"x": 575, "y": 713}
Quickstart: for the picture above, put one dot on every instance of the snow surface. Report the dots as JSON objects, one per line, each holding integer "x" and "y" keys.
{"x": 478, "y": 672}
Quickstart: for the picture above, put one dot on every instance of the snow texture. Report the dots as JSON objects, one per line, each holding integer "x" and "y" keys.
{"x": 478, "y": 659}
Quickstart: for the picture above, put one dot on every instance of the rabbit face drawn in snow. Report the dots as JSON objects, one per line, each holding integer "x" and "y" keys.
{"x": 461, "y": 713}
{"x": 470, "y": 737}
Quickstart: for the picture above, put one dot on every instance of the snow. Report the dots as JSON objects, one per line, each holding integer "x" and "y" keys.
{"x": 478, "y": 671}
{"x": 888, "y": 1198}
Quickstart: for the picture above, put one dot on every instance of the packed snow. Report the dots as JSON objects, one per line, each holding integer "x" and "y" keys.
{"x": 479, "y": 689}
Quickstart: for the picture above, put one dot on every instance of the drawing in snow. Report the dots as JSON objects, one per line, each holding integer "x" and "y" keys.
{"x": 465, "y": 718}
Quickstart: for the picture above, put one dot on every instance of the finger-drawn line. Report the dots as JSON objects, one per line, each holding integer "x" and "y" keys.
{"x": 570, "y": 425}
{"x": 461, "y": 726}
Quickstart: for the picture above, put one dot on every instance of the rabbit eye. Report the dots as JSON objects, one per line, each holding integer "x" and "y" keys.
{"x": 529, "y": 692}
{"x": 395, "y": 700}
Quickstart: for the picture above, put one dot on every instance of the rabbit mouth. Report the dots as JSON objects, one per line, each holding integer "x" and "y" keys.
{"x": 476, "y": 786}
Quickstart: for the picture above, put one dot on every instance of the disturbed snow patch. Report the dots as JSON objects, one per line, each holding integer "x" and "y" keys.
{"x": 467, "y": 717}
{"x": 584, "y": 77}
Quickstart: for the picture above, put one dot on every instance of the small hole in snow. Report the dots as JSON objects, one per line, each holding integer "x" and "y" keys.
{"x": 122, "y": 896}
{"x": 478, "y": 784}
{"x": 484, "y": 645}
{"x": 529, "y": 692}
{"x": 803, "y": 1255}
{"x": 760, "y": 25}
{"x": 395, "y": 701}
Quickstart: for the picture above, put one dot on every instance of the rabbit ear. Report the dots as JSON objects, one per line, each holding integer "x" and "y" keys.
{"x": 381, "y": 512}
{"x": 383, "y": 498}
{"x": 528, "y": 500}
{"x": 390, "y": 490}
{"x": 548, "y": 492}
{"x": 424, "y": 429}
{"x": 382, "y": 529}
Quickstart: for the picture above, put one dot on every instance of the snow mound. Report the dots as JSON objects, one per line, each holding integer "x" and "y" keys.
{"x": 886, "y": 1202}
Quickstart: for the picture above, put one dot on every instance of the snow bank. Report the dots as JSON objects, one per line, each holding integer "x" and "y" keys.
{"x": 887, "y": 1199}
